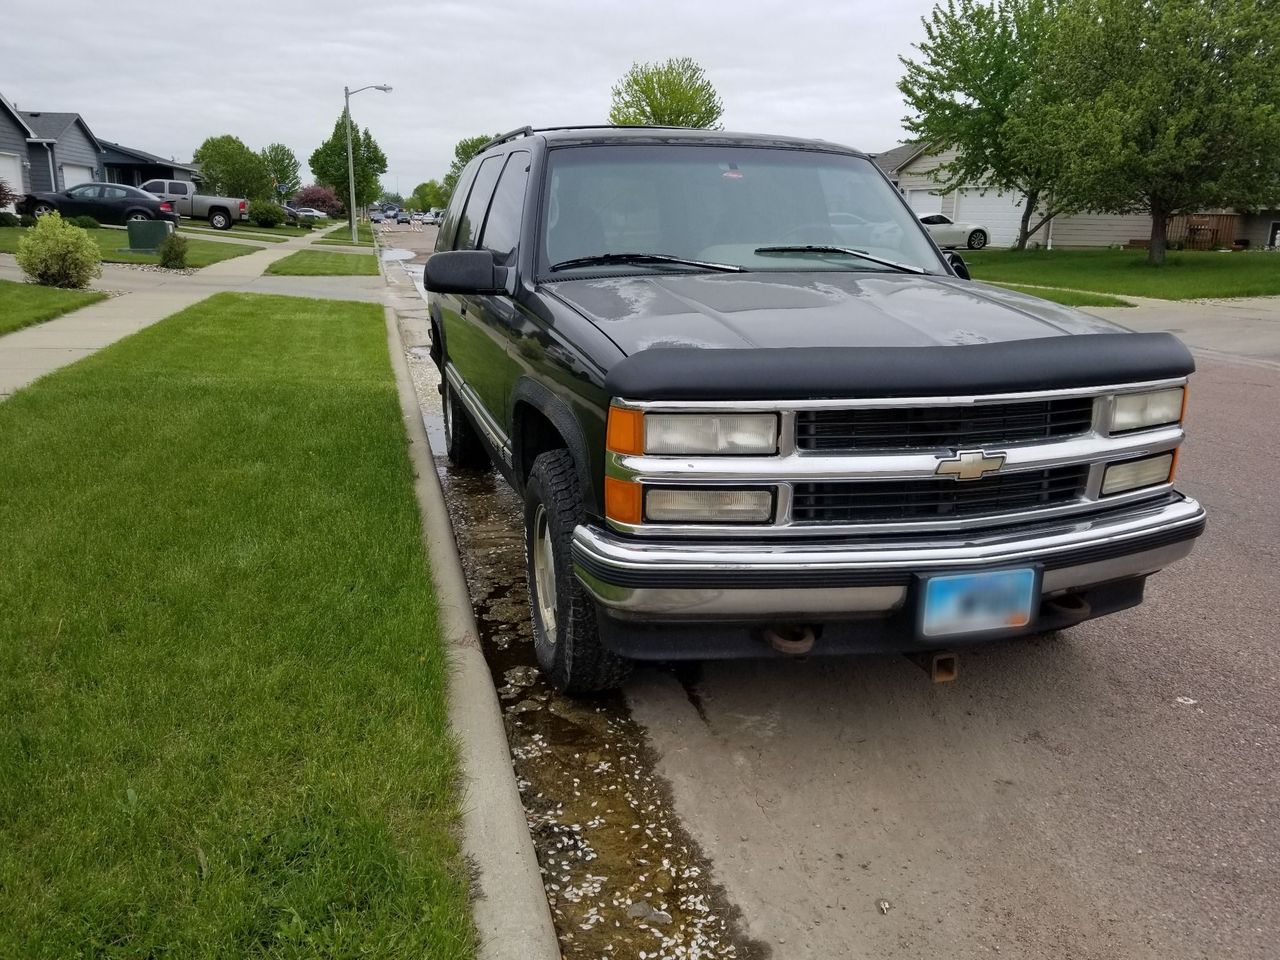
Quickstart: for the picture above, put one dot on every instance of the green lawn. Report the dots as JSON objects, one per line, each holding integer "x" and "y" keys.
{"x": 223, "y": 723}
{"x": 200, "y": 253}
{"x": 321, "y": 263}
{"x": 342, "y": 234}
{"x": 1070, "y": 298}
{"x": 1184, "y": 276}
{"x": 263, "y": 237}
{"x": 22, "y": 304}
{"x": 245, "y": 226}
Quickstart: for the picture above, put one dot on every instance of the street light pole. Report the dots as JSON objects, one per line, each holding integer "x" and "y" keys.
{"x": 351, "y": 167}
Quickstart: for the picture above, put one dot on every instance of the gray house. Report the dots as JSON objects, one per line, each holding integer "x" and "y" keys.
{"x": 134, "y": 167}
{"x": 14, "y": 134}
{"x": 63, "y": 151}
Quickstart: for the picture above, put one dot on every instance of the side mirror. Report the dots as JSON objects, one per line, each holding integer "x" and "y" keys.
{"x": 464, "y": 271}
{"x": 957, "y": 265}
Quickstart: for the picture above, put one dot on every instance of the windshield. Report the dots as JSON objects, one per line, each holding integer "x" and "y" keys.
{"x": 722, "y": 204}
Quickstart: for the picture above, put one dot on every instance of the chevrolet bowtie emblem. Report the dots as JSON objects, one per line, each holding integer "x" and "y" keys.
{"x": 970, "y": 464}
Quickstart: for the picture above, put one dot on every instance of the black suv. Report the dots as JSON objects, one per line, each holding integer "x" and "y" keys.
{"x": 753, "y": 410}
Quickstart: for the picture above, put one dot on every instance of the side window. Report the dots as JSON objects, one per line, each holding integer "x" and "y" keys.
{"x": 477, "y": 204}
{"x": 154, "y": 186}
{"x": 178, "y": 188}
{"x": 114, "y": 193}
{"x": 449, "y": 226}
{"x": 84, "y": 193}
{"x": 502, "y": 226}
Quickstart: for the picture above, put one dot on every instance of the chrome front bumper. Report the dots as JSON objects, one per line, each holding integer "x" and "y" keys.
{"x": 690, "y": 581}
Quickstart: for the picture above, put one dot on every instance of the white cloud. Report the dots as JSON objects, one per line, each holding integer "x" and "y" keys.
{"x": 163, "y": 78}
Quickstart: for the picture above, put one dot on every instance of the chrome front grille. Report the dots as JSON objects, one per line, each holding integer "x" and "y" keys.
{"x": 926, "y": 427}
{"x": 884, "y": 501}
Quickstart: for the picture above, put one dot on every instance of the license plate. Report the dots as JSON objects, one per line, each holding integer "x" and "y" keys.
{"x": 975, "y": 602}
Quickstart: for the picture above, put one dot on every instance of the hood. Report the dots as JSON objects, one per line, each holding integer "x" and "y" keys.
{"x": 826, "y": 309}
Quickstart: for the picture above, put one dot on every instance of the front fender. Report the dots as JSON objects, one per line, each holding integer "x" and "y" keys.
{"x": 558, "y": 411}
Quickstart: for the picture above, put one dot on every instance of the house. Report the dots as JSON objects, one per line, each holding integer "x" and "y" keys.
{"x": 911, "y": 167}
{"x": 14, "y": 134}
{"x": 63, "y": 151}
{"x": 134, "y": 167}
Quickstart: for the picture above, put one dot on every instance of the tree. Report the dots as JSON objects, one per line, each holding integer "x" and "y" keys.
{"x": 431, "y": 195}
{"x": 320, "y": 198}
{"x": 974, "y": 89}
{"x": 390, "y": 196}
{"x": 282, "y": 167}
{"x": 1165, "y": 108}
{"x": 228, "y": 167}
{"x": 674, "y": 93}
{"x": 329, "y": 164}
{"x": 463, "y": 151}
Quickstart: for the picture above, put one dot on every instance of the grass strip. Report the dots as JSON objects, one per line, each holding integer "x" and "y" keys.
{"x": 1185, "y": 275}
{"x": 322, "y": 263}
{"x": 230, "y": 234}
{"x": 222, "y": 687}
{"x": 364, "y": 231}
{"x": 200, "y": 253}
{"x": 1069, "y": 298}
{"x": 22, "y": 304}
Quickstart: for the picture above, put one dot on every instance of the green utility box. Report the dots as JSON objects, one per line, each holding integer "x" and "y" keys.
{"x": 145, "y": 236}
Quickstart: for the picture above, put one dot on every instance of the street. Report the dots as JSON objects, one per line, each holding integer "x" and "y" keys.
{"x": 1106, "y": 792}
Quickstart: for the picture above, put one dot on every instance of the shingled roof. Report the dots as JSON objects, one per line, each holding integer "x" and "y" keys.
{"x": 891, "y": 161}
{"x": 51, "y": 126}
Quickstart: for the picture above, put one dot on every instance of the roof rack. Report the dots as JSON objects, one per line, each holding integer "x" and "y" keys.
{"x": 530, "y": 131}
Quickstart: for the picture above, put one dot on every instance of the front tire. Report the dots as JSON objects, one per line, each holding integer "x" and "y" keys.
{"x": 220, "y": 220}
{"x": 977, "y": 239}
{"x": 566, "y": 634}
{"x": 461, "y": 439}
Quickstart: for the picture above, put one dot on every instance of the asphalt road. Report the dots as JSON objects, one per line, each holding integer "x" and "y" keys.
{"x": 1112, "y": 792}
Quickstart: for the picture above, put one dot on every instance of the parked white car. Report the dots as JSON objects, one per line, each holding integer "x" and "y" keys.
{"x": 948, "y": 233}
{"x": 312, "y": 212}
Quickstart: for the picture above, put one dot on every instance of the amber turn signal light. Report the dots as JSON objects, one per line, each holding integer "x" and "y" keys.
{"x": 625, "y": 431}
{"x": 623, "y": 501}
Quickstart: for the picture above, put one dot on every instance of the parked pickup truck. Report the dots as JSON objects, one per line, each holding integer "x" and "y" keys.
{"x": 753, "y": 410}
{"x": 221, "y": 212}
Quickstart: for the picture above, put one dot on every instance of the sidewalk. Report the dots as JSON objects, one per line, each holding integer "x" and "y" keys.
{"x": 149, "y": 296}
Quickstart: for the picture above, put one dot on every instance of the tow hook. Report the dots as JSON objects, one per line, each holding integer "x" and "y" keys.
{"x": 942, "y": 666}
{"x": 795, "y": 639}
{"x": 1070, "y": 605}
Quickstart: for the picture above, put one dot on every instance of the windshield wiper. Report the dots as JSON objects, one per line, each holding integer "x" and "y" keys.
{"x": 602, "y": 259}
{"x": 861, "y": 254}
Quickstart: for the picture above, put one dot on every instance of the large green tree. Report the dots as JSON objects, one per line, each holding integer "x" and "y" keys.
{"x": 329, "y": 164}
{"x": 282, "y": 166}
{"x": 1165, "y": 107}
{"x": 675, "y": 93}
{"x": 973, "y": 88}
{"x": 463, "y": 151}
{"x": 229, "y": 167}
{"x": 431, "y": 195}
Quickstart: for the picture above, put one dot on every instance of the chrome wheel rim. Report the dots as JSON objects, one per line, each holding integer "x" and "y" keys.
{"x": 544, "y": 573}
{"x": 979, "y": 241}
{"x": 42, "y": 210}
{"x": 138, "y": 217}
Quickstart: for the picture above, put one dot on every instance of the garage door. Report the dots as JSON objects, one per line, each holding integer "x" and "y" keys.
{"x": 924, "y": 202}
{"x": 1000, "y": 213}
{"x": 73, "y": 173}
{"x": 11, "y": 173}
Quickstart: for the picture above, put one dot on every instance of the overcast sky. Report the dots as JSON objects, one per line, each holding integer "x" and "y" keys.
{"x": 162, "y": 77}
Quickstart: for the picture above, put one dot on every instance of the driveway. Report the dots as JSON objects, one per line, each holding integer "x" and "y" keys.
{"x": 1248, "y": 327}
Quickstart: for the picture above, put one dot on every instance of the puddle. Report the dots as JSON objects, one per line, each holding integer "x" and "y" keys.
{"x": 397, "y": 253}
{"x": 623, "y": 877}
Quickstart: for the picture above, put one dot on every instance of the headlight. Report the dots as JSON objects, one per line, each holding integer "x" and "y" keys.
{"x": 703, "y": 505}
{"x": 1134, "y": 474}
{"x": 698, "y": 433}
{"x": 1139, "y": 411}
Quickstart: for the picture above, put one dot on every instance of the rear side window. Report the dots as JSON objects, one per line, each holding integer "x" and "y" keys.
{"x": 154, "y": 186}
{"x": 178, "y": 187}
{"x": 477, "y": 203}
{"x": 502, "y": 227}
{"x": 114, "y": 193}
{"x": 449, "y": 227}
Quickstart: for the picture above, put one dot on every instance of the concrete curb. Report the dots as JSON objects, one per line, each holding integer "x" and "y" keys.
{"x": 511, "y": 912}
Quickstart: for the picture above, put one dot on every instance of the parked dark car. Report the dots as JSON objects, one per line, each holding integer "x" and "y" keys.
{"x": 105, "y": 202}
{"x": 377, "y": 216}
{"x": 404, "y": 217}
{"x": 752, "y": 409}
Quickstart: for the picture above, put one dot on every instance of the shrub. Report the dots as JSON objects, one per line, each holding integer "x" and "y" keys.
{"x": 7, "y": 196}
{"x": 266, "y": 213}
{"x": 59, "y": 254}
{"x": 321, "y": 198}
{"x": 8, "y": 219}
{"x": 26, "y": 220}
{"x": 173, "y": 252}
{"x": 87, "y": 222}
